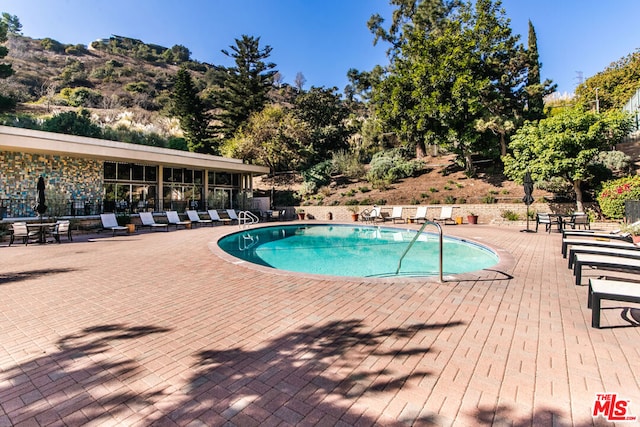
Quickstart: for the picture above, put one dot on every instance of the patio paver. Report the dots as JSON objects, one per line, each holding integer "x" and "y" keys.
{"x": 157, "y": 328}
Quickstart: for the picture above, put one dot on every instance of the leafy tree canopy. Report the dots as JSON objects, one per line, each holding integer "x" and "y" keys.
{"x": 72, "y": 123}
{"x": 564, "y": 146}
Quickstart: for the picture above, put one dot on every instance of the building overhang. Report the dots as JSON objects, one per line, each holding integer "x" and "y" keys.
{"x": 33, "y": 141}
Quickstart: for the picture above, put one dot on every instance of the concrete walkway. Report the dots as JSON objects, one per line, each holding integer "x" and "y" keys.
{"x": 161, "y": 329}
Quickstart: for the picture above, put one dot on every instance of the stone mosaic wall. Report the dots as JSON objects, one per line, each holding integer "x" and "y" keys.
{"x": 75, "y": 178}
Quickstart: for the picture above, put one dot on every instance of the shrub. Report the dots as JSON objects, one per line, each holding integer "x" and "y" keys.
{"x": 390, "y": 166}
{"x": 510, "y": 215}
{"x": 489, "y": 199}
{"x": 614, "y": 193}
{"x": 449, "y": 200}
{"x": 347, "y": 164}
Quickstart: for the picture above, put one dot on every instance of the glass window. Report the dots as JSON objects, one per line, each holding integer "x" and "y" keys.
{"x": 167, "y": 175}
{"x": 150, "y": 173}
{"x": 177, "y": 175}
{"x": 236, "y": 179}
{"x": 109, "y": 170}
{"x": 197, "y": 177}
{"x": 124, "y": 171}
{"x": 137, "y": 173}
{"x": 188, "y": 176}
{"x": 223, "y": 178}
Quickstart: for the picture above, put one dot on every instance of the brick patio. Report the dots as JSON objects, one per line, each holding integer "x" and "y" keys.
{"x": 161, "y": 329}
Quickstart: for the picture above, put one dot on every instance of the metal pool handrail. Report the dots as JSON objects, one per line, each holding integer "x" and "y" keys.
{"x": 439, "y": 227}
{"x": 246, "y": 218}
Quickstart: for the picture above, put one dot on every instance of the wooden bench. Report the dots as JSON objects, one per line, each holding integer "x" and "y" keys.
{"x": 614, "y": 290}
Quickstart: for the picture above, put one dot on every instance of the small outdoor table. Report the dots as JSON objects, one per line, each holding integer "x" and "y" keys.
{"x": 42, "y": 227}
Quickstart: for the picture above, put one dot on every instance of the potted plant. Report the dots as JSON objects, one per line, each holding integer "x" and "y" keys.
{"x": 472, "y": 218}
{"x": 634, "y": 230}
{"x": 300, "y": 213}
{"x": 125, "y": 220}
{"x": 354, "y": 212}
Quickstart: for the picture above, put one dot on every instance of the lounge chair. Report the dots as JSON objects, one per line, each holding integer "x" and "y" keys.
{"x": 603, "y": 262}
{"x": 215, "y": 216}
{"x": 231, "y": 213}
{"x": 372, "y": 215}
{"x": 109, "y": 222}
{"x": 614, "y": 290}
{"x": 147, "y": 221}
{"x": 613, "y": 234}
{"x": 421, "y": 215}
{"x": 617, "y": 244}
{"x": 195, "y": 218}
{"x": 174, "y": 219}
{"x": 20, "y": 230}
{"x": 62, "y": 228}
{"x": 446, "y": 214}
{"x": 548, "y": 220}
{"x": 396, "y": 215}
{"x": 599, "y": 250}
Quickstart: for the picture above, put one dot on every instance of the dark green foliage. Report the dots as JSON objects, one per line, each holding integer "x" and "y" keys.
{"x": 390, "y": 166}
{"x": 5, "y": 69}
{"x": 72, "y": 123}
{"x": 241, "y": 90}
{"x": 319, "y": 174}
{"x": 52, "y": 45}
{"x": 190, "y": 110}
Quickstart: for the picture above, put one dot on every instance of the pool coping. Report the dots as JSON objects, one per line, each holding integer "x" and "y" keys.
{"x": 504, "y": 266}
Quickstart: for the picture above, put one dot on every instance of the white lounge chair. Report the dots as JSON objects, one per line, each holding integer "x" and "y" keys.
{"x": 446, "y": 214}
{"x": 20, "y": 230}
{"x": 147, "y": 221}
{"x": 231, "y": 213}
{"x": 215, "y": 216}
{"x": 396, "y": 214}
{"x": 603, "y": 262}
{"x": 614, "y": 290}
{"x": 109, "y": 222}
{"x": 615, "y": 244}
{"x": 373, "y": 215}
{"x": 421, "y": 215}
{"x": 631, "y": 252}
{"x": 62, "y": 228}
{"x": 174, "y": 219}
{"x": 195, "y": 218}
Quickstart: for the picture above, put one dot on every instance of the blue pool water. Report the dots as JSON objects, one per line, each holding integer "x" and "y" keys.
{"x": 354, "y": 251}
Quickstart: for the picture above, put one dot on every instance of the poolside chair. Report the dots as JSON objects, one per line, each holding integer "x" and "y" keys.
{"x": 372, "y": 215}
{"x": 231, "y": 213}
{"x": 603, "y": 262}
{"x": 396, "y": 215}
{"x": 421, "y": 215}
{"x": 613, "y": 234}
{"x": 174, "y": 219}
{"x": 109, "y": 222}
{"x": 631, "y": 252}
{"x": 62, "y": 228}
{"x": 147, "y": 221}
{"x": 578, "y": 219}
{"x": 446, "y": 214}
{"x": 614, "y": 290}
{"x": 614, "y": 244}
{"x": 20, "y": 230}
{"x": 195, "y": 218}
{"x": 548, "y": 221}
{"x": 215, "y": 217}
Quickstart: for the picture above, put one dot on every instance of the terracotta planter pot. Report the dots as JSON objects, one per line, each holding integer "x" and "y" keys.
{"x": 472, "y": 219}
{"x": 354, "y": 217}
{"x": 301, "y": 216}
{"x": 131, "y": 228}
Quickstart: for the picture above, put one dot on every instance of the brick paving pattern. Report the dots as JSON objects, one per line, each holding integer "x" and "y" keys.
{"x": 161, "y": 329}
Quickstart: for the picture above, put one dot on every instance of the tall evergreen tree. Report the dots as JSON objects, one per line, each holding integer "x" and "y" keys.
{"x": 6, "y": 70}
{"x": 242, "y": 90}
{"x": 193, "y": 116}
{"x": 536, "y": 90}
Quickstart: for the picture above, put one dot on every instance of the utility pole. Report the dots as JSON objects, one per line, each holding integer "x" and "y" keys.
{"x": 597, "y": 102}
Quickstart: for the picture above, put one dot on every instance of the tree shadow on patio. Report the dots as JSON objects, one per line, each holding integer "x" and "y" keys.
{"x": 312, "y": 375}
{"x": 6, "y": 278}
{"x": 76, "y": 376}
{"x": 507, "y": 416}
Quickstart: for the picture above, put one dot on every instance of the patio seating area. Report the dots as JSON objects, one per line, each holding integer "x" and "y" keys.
{"x": 159, "y": 328}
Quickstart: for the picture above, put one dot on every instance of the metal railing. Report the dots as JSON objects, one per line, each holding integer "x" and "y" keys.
{"x": 246, "y": 218}
{"x": 439, "y": 227}
{"x": 21, "y": 208}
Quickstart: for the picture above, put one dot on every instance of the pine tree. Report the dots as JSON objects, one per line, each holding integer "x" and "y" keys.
{"x": 5, "y": 69}
{"x": 190, "y": 110}
{"x": 242, "y": 90}
{"x": 534, "y": 88}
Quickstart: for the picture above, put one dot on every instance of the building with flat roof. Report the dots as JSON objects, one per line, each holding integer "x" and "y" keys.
{"x": 92, "y": 176}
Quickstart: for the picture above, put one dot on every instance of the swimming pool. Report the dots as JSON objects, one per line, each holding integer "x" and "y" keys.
{"x": 355, "y": 251}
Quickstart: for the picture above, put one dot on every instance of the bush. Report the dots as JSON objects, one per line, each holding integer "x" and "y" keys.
{"x": 318, "y": 175}
{"x": 510, "y": 215}
{"x": 614, "y": 193}
{"x": 391, "y": 166}
{"x": 347, "y": 164}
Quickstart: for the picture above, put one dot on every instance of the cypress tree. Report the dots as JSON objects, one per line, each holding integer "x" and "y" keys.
{"x": 535, "y": 90}
{"x": 190, "y": 110}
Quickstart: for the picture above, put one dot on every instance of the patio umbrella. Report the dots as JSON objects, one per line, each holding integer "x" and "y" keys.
{"x": 41, "y": 208}
{"x": 528, "y": 198}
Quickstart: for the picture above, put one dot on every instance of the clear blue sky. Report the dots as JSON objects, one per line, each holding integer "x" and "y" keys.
{"x": 322, "y": 39}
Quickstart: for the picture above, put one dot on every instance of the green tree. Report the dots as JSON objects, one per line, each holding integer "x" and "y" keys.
{"x": 564, "y": 146}
{"x": 72, "y": 123}
{"x": 325, "y": 113}
{"x": 12, "y": 22}
{"x": 272, "y": 137}
{"x": 187, "y": 106}
{"x": 456, "y": 71}
{"x": 241, "y": 90}
{"x": 6, "y": 70}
